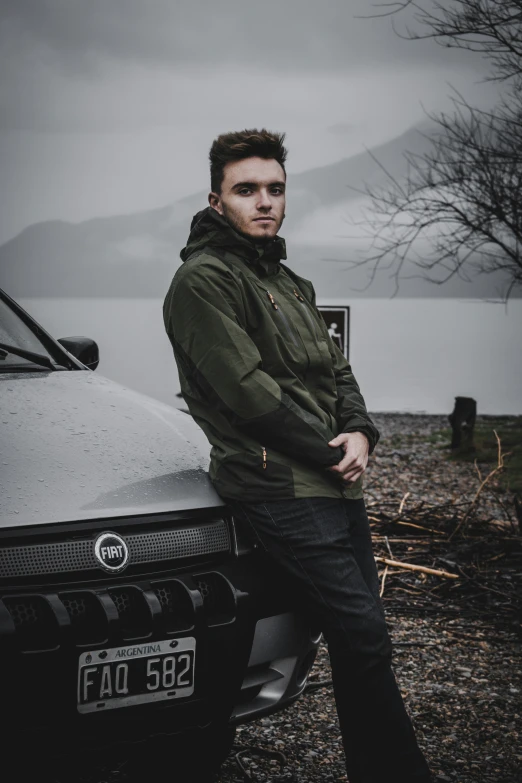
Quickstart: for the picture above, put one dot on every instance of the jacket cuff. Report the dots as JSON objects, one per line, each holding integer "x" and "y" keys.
{"x": 367, "y": 428}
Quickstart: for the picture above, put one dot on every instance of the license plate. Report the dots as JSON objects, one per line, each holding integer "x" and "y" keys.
{"x": 136, "y": 674}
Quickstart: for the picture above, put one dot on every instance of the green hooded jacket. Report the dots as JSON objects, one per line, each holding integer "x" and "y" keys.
{"x": 258, "y": 370}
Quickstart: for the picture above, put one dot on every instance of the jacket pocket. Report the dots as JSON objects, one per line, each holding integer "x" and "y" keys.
{"x": 252, "y": 477}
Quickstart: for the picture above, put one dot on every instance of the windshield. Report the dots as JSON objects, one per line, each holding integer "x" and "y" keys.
{"x": 13, "y": 331}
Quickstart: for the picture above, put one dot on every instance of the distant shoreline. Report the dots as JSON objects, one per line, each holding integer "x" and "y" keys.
{"x": 349, "y": 297}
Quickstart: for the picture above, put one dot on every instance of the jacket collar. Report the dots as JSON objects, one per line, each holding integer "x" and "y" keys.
{"x": 209, "y": 228}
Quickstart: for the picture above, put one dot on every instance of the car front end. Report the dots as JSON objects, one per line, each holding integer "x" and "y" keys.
{"x": 132, "y": 604}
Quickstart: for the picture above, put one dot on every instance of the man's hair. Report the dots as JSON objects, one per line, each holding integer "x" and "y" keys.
{"x": 240, "y": 145}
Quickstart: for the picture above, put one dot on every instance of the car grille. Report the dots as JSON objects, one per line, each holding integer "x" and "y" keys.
{"x": 117, "y": 614}
{"x": 148, "y": 547}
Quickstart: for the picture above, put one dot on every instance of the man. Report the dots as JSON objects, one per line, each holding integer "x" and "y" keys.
{"x": 290, "y": 435}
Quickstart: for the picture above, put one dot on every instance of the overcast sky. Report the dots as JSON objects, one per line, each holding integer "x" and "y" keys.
{"x": 110, "y": 106}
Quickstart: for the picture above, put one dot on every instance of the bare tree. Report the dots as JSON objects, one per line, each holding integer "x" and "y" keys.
{"x": 491, "y": 27}
{"x": 459, "y": 208}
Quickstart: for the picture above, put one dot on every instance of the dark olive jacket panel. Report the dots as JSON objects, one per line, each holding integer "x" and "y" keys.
{"x": 258, "y": 370}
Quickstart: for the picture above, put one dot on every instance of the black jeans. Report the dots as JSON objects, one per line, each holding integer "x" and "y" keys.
{"x": 322, "y": 548}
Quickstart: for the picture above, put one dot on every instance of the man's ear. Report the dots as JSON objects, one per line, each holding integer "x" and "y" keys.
{"x": 215, "y": 202}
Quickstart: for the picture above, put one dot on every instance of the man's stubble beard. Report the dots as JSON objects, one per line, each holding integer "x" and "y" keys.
{"x": 228, "y": 215}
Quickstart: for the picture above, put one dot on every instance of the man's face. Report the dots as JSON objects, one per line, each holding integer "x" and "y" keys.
{"x": 252, "y": 197}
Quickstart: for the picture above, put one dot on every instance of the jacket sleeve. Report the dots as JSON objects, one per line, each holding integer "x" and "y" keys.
{"x": 204, "y": 318}
{"x": 351, "y": 413}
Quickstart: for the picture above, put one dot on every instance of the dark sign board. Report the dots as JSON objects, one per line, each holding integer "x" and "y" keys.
{"x": 337, "y": 320}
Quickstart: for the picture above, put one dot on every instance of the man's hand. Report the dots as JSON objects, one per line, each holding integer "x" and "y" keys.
{"x": 355, "y": 460}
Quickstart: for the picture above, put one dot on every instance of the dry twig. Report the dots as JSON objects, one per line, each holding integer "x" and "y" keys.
{"x": 413, "y": 567}
{"x": 384, "y": 573}
{"x": 490, "y": 475}
{"x": 422, "y": 527}
{"x": 403, "y": 501}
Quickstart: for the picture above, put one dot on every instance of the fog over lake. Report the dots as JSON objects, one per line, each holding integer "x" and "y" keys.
{"x": 408, "y": 355}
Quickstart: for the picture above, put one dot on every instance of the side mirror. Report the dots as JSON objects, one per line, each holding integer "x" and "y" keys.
{"x": 82, "y": 348}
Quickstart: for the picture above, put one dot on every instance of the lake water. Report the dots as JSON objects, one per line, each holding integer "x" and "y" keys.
{"x": 408, "y": 355}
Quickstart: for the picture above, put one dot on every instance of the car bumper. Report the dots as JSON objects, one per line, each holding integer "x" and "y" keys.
{"x": 253, "y": 652}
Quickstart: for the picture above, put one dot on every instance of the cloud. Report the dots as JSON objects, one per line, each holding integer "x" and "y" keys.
{"x": 341, "y": 128}
{"x": 274, "y": 34}
{"x": 141, "y": 138}
{"x": 109, "y": 106}
{"x": 96, "y": 65}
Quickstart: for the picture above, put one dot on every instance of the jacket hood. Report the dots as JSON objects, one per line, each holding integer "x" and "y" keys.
{"x": 209, "y": 228}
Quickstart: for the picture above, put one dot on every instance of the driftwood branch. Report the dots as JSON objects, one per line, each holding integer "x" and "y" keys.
{"x": 396, "y": 521}
{"x": 475, "y": 564}
{"x": 412, "y": 567}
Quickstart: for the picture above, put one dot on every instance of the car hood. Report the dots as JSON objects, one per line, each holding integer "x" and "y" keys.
{"x": 77, "y": 446}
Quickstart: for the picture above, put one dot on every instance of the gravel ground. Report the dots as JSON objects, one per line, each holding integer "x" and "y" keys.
{"x": 461, "y": 683}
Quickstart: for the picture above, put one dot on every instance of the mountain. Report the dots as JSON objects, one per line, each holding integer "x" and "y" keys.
{"x": 136, "y": 255}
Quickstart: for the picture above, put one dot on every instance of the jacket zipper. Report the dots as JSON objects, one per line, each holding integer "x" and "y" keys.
{"x": 311, "y": 321}
{"x": 283, "y": 318}
{"x": 264, "y": 457}
{"x": 271, "y": 300}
